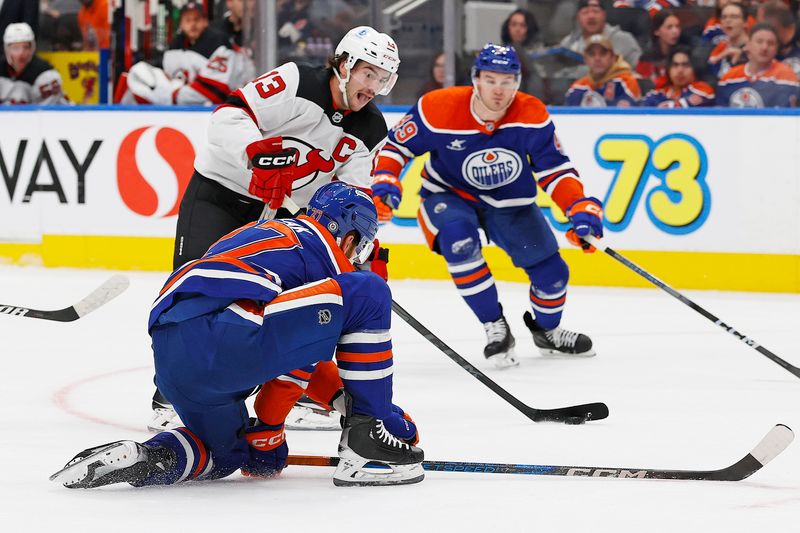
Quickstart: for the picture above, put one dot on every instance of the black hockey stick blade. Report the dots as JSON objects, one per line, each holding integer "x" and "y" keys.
{"x": 576, "y": 414}
{"x": 770, "y": 446}
{"x": 683, "y": 299}
{"x": 110, "y": 289}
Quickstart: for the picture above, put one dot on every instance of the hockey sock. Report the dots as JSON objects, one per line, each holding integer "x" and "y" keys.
{"x": 548, "y": 290}
{"x": 475, "y": 284}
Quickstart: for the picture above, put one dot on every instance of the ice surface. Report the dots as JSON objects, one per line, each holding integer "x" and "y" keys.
{"x": 682, "y": 394}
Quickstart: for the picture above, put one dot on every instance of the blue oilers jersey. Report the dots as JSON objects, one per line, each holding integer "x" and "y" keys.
{"x": 491, "y": 164}
{"x": 256, "y": 262}
{"x": 777, "y": 86}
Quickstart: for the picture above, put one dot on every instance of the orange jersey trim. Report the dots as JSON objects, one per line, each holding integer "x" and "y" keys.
{"x": 372, "y": 357}
{"x": 328, "y": 286}
{"x": 342, "y": 261}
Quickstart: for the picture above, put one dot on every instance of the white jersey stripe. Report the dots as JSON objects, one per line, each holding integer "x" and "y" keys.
{"x": 477, "y": 288}
{"x": 366, "y": 375}
{"x": 220, "y": 274}
{"x": 370, "y": 337}
{"x": 189, "y": 453}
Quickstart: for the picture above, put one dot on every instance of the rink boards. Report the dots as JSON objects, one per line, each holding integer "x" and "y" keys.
{"x": 702, "y": 199}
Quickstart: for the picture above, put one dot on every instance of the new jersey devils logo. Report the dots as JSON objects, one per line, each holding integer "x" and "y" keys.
{"x": 154, "y": 165}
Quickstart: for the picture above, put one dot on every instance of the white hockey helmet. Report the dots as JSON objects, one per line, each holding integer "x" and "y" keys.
{"x": 367, "y": 44}
{"x": 19, "y": 32}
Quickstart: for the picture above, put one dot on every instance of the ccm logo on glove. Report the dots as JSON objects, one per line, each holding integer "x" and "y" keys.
{"x": 276, "y": 161}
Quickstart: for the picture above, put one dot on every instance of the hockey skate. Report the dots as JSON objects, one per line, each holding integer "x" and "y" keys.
{"x": 499, "y": 343}
{"x": 164, "y": 416}
{"x": 558, "y": 341}
{"x": 307, "y": 415}
{"x": 123, "y": 461}
{"x": 391, "y": 461}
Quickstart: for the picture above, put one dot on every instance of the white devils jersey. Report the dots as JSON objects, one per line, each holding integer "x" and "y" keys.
{"x": 39, "y": 83}
{"x": 209, "y": 69}
{"x": 295, "y": 103}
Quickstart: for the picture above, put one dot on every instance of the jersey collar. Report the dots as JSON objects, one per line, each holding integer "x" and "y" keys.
{"x": 342, "y": 262}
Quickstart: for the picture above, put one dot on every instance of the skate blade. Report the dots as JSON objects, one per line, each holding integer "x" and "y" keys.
{"x": 505, "y": 360}
{"x": 566, "y": 355}
{"x": 119, "y": 455}
{"x": 306, "y": 419}
{"x": 358, "y": 473}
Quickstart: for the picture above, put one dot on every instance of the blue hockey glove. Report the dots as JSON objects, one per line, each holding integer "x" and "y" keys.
{"x": 268, "y": 450}
{"x": 387, "y": 192}
{"x": 400, "y": 424}
{"x": 586, "y": 217}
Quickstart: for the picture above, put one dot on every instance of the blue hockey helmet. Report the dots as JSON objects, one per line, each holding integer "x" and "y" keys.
{"x": 496, "y": 58}
{"x": 342, "y": 208}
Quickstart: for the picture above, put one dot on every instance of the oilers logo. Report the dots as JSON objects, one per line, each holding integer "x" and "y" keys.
{"x": 491, "y": 168}
{"x": 746, "y": 97}
{"x": 593, "y": 99}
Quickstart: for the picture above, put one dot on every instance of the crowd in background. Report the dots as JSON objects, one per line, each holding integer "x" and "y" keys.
{"x": 666, "y": 53}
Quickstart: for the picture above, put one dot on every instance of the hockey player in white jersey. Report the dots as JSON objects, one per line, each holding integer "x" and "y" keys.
{"x": 287, "y": 133}
{"x": 200, "y": 68}
{"x": 24, "y": 77}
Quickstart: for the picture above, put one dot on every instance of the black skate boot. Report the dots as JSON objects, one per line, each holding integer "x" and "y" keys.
{"x": 123, "y": 461}
{"x": 499, "y": 343}
{"x": 365, "y": 440}
{"x": 558, "y": 341}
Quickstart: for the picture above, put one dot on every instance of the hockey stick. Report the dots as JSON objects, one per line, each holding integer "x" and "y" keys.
{"x": 660, "y": 284}
{"x": 765, "y": 451}
{"x": 110, "y": 289}
{"x": 576, "y": 414}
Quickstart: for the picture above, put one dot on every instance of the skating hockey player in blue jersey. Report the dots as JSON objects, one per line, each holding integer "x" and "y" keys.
{"x": 266, "y": 300}
{"x": 485, "y": 142}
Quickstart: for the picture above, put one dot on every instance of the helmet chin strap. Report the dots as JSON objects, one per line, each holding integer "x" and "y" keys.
{"x": 343, "y": 84}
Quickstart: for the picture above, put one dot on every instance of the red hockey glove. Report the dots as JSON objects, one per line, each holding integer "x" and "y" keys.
{"x": 386, "y": 193}
{"x": 273, "y": 170}
{"x": 377, "y": 261}
{"x": 586, "y": 217}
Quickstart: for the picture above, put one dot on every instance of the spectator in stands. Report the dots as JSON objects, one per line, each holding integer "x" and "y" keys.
{"x": 729, "y": 52}
{"x": 436, "y": 78}
{"x": 591, "y": 19}
{"x": 521, "y": 32}
{"x": 12, "y": 11}
{"x": 666, "y": 33}
{"x": 780, "y": 16}
{"x": 59, "y": 25}
{"x": 610, "y": 81}
{"x": 712, "y": 32}
{"x": 681, "y": 88}
{"x": 231, "y": 22}
{"x": 763, "y": 81}
{"x": 94, "y": 24}
{"x": 294, "y": 26}
{"x": 24, "y": 77}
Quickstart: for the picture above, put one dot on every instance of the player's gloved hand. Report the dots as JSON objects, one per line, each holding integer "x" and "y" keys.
{"x": 268, "y": 450}
{"x": 400, "y": 424}
{"x": 377, "y": 262}
{"x": 386, "y": 193}
{"x": 273, "y": 170}
{"x": 586, "y": 217}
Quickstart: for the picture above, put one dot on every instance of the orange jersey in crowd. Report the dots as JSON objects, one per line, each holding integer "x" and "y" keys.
{"x": 95, "y": 17}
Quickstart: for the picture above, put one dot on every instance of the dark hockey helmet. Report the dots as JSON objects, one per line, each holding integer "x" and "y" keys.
{"x": 496, "y": 58}
{"x": 342, "y": 208}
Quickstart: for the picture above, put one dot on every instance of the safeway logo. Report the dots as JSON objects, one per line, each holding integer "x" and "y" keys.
{"x": 154, "y": 165}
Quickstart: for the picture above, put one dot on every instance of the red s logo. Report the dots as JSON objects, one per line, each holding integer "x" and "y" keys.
{"x": 154, "y": 165}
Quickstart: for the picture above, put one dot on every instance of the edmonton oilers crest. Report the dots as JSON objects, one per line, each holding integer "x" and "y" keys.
{"x": 491, "y": 168}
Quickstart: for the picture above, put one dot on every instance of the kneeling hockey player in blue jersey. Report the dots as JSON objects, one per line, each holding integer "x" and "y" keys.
{"x": 267, "y": 300}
